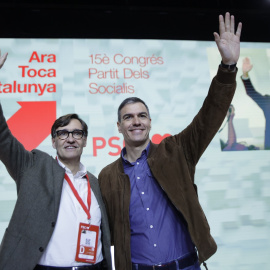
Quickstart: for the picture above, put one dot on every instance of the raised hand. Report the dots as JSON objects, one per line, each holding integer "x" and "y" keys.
{"x": 246, "y": 67}
{"x": 228, "y": 41}
{"x": 3, "y": 59}
{"x": 231, "y": 112}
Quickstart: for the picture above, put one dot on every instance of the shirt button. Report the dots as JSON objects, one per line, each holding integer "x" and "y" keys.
{"x": 138, "y": 177}
{"x": 138, "y": 163}
{"x": 151, "y": 226}
{"x": 142, "y": 193}
{"x": 147, "y": 209}
{"x": 41, "y": 249}
{"x": 155, "y": 245}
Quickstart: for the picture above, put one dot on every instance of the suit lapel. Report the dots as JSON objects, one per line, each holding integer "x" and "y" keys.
{"x": 93, "y": 184}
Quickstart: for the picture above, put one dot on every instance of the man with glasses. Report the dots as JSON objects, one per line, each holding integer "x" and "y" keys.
{"x": 57, "y": 220}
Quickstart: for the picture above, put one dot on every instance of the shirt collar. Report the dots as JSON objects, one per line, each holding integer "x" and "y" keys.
{"x": 145, "y": 153}
{"x": 81, "y": 173}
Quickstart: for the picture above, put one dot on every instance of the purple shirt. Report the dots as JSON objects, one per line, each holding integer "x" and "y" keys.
{"x": 158, "y": 231}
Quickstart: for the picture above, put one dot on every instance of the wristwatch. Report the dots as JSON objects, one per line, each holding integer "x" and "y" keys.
{"x": 229, "y": 67}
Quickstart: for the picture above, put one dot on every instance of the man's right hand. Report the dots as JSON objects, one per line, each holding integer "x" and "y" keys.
{"x": 3, "y": 59}
{"x": 230, "y": 113}
{"x": 246, "y": 67}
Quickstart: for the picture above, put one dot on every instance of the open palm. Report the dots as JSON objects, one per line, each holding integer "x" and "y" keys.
{"x": 227, "y": 41}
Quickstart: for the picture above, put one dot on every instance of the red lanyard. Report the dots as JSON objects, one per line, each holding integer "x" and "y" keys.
{"x": 87, "y": 211}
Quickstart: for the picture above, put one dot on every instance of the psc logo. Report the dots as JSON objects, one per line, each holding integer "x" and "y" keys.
{"x": 116, "y": 144}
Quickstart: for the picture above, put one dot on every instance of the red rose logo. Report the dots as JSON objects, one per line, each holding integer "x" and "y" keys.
{"x": 157, "y": 138}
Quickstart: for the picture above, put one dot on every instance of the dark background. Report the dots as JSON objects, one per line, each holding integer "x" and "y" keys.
{"x": 132, "y": 19}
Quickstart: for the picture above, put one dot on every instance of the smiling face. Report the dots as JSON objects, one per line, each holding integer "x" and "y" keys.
{"x": 135, "y": 124}
{"x": 69, "y": 150}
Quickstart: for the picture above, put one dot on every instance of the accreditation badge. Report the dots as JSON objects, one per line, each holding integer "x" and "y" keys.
{"x": 87, "y": 243}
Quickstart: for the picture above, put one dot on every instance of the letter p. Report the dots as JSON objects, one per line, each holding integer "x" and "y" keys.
{"x": 97, "y": 145}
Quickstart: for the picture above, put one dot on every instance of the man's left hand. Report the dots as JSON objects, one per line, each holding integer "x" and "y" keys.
{"x": 227, "y": 41}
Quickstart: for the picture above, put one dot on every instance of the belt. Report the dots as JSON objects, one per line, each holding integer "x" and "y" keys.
{"x": 173, "y": 265}
{"x": 97, "y": 266}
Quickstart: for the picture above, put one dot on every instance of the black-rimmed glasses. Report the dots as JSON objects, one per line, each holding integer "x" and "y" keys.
{"x": 63, "y": 134}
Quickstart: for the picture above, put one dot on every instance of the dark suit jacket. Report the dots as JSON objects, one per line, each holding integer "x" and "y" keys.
{"x": 39, "y": 181}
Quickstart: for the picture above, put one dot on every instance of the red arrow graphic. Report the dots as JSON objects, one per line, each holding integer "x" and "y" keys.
{"x": 32, "y": 123}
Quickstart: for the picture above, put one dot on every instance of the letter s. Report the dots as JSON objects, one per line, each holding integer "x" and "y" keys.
{"x": 114, "y": 146}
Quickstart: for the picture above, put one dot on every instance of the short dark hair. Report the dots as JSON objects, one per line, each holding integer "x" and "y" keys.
{"x": 130, "y": 100}
{"x": 65, "y": 120}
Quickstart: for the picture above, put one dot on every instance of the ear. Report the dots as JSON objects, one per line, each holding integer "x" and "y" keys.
{"x": 53, "y": 143}
{"x": 119, "y": 127}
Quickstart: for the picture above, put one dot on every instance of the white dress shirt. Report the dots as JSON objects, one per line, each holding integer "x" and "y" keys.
{"x": 62, "y": 246}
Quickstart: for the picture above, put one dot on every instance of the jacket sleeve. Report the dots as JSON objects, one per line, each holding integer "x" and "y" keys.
{"x": 253, "y": 94}
{"x": 12, "y": 152}
{"x": 198, "y": 134}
